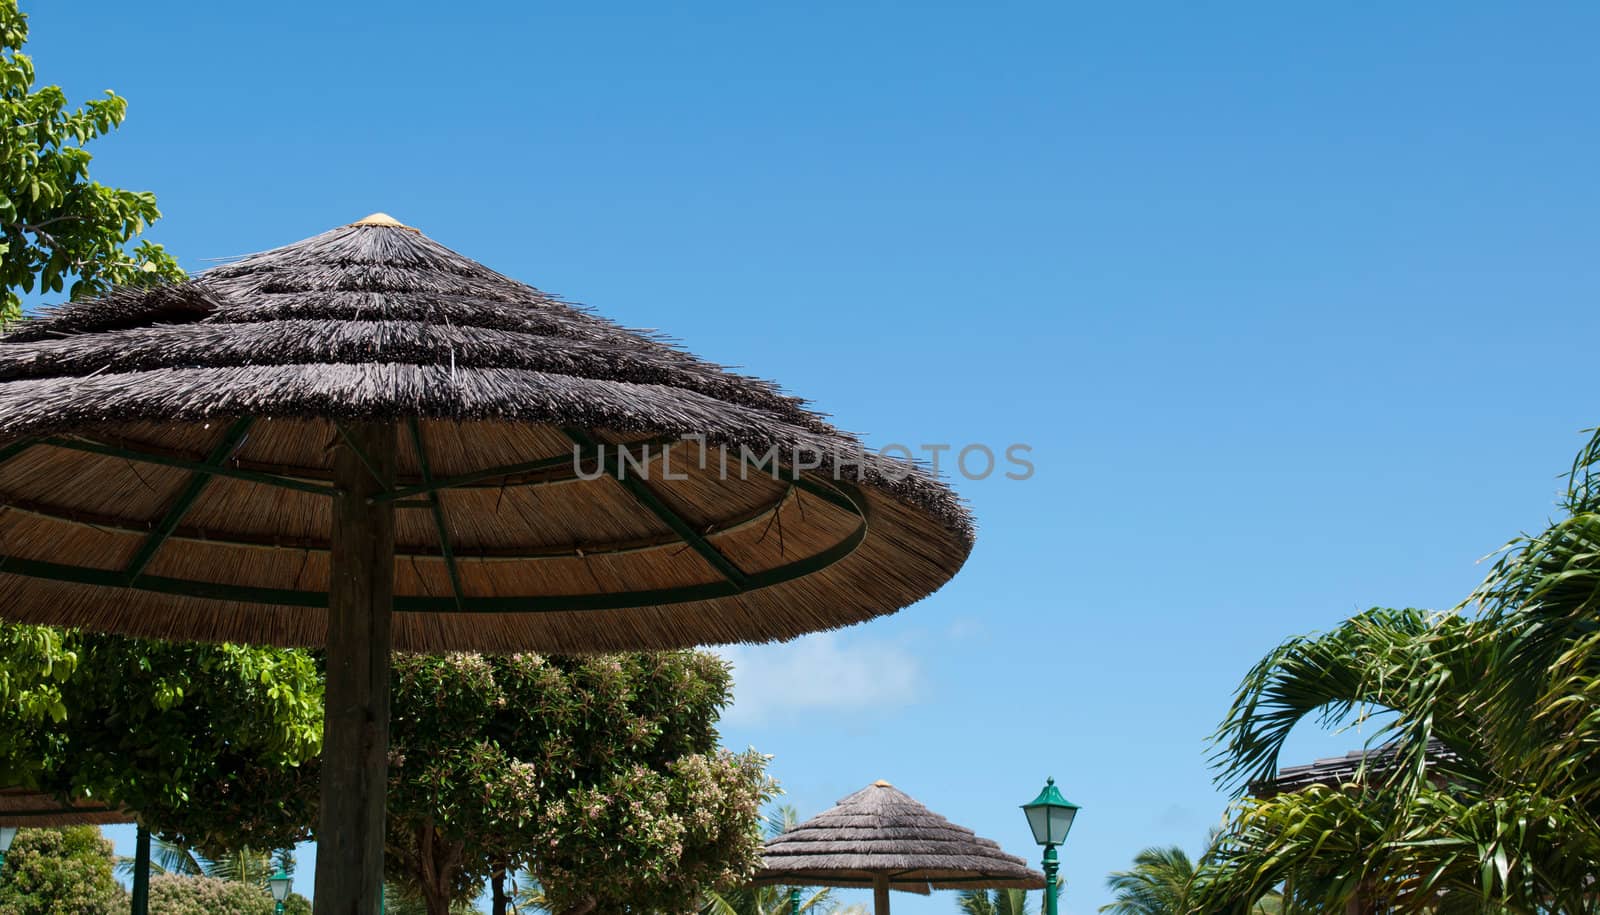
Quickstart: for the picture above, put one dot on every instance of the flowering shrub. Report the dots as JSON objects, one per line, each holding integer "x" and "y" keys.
{"x": 60, "y": 870}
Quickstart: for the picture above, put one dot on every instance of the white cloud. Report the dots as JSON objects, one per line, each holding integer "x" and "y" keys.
{"x": 819, "y": 672}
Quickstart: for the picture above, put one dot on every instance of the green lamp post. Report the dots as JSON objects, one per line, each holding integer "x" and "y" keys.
{"x": 1050, "y": 817}
{"x": 279, "y": 884}
{"x": 7, "y": 833}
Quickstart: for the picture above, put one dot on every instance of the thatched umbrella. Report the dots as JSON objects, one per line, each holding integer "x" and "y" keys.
{"x": 29, "y": 808}
{"x": 32, "y": 809}
{"x": 883, "y": 838}
{"x": 292, "y": 445}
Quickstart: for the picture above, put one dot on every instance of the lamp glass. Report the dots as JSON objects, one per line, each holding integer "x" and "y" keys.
{"x": 7, "y": 833}
{"x": 1050, "y": 815}
{"x": 279, "y": 883}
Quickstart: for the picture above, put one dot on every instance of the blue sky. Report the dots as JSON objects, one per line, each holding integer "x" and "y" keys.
{"x": 1295, "y": 306}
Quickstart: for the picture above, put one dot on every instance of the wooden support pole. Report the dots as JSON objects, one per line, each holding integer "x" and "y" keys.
{"x": 880, "y": 894}
{"x": 355, "y": 726}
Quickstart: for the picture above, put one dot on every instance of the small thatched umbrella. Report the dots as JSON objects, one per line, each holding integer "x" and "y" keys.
{"x": 28, "y": 808}
{"x": 881, "y": 837}
{"x": 224, "y": 459}
{"x": 31, "y": 809}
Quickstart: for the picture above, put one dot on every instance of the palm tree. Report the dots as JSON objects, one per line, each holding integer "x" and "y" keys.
{"x": 1158, "y": 884}
{"x": 1508, "y": 818}
{"x": 994, "y": 902}
{"x": 243, "y": 865}
{"x": 1165, "y": 881}
{"x": 774, "y": 900}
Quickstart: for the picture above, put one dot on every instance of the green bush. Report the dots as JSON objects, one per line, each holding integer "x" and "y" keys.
{"x": 174, "y": 895}
{"x": 60, "y": 872}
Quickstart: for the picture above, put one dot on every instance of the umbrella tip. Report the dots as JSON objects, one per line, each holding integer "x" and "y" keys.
{"x": 880, "y": 783}
{"x": 383, "y": 220}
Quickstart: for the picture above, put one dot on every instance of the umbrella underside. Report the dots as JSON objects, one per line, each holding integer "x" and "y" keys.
{"x": 491, "y": 519}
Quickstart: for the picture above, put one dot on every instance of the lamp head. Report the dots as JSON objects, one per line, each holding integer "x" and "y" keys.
{"x": 1050, "y": 815}
{"x": 279, "y": 884}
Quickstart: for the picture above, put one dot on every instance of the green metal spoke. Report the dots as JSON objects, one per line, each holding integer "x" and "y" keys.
{"x": 15, "y": 448}
{"x": 438, "y": 511}
{"x": 355, "y": 449}
{"x": 314, "y": 545}
{"x": 645, "y": 496}
{"x": 186, "y": 499}
{"x": 285, "y": 597}
{"x": 491, "y": 473}
{"x": 253, "y": 476}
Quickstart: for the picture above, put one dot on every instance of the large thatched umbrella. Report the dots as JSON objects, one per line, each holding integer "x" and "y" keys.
{"x": 883, "y": 838}
{"x": 224, "y": 459}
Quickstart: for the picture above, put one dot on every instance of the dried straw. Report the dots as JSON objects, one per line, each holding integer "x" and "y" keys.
{"x": 29, "y": 808}
{"x": 103, "y": 402}
{"x": 882, "y": 831}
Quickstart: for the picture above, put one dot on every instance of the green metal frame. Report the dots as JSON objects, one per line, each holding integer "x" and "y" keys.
{"x": 438, "y": 511}
{"x": 735, "y": 580}
{"x": 180, "y": 506}
{"x": 462, "y": 481}
{"x": 15, "y": 448}
{"x": 645, "y": 496}
{"x": 238, "y": 473}
{"x": 617, "y": 600}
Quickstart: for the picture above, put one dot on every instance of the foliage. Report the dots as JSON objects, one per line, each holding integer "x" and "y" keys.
{"x": 994, "y": 902}
{"x": 59, "y": 226}
{"x": 1506, "y": 818}
{"x": 172, "y": 894}
{"x": 50, "y": 871}
{"x": 34, "y": 661}
{"x": 653, "y": 841}
{"x": 398, "y": 900}
{"x": 241, "y": 865}
{"x": 773, "y": 899}
{"x": 203, "y": 741}
{"x": 598, "y": 776}
{"x": 1158, "y": 884}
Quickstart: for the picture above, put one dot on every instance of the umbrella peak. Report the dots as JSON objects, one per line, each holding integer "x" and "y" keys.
{"x": 384, "y": 220}
{"x": 880, "y": 783}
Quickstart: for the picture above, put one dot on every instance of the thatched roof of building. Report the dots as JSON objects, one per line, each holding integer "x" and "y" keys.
{"x": 882, "y": 831}
{"x": 27, "y": 807}
{"x": 165, "y": 466}
{"x": 1353, "y": 768}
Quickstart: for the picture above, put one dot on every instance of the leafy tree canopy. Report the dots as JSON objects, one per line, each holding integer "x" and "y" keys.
{"x": 49, "y": 871}
{"x": 599, "y": 777}
{"x": 56, "y": 225}
{"x": 203, "y": 741}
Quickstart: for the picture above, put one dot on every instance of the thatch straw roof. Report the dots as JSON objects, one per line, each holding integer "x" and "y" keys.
{"x": 882, "y": 831}
{"x": 1357, "y": 767}
{"x": 165, "y": 466}
{"x": 30, "y": 808}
